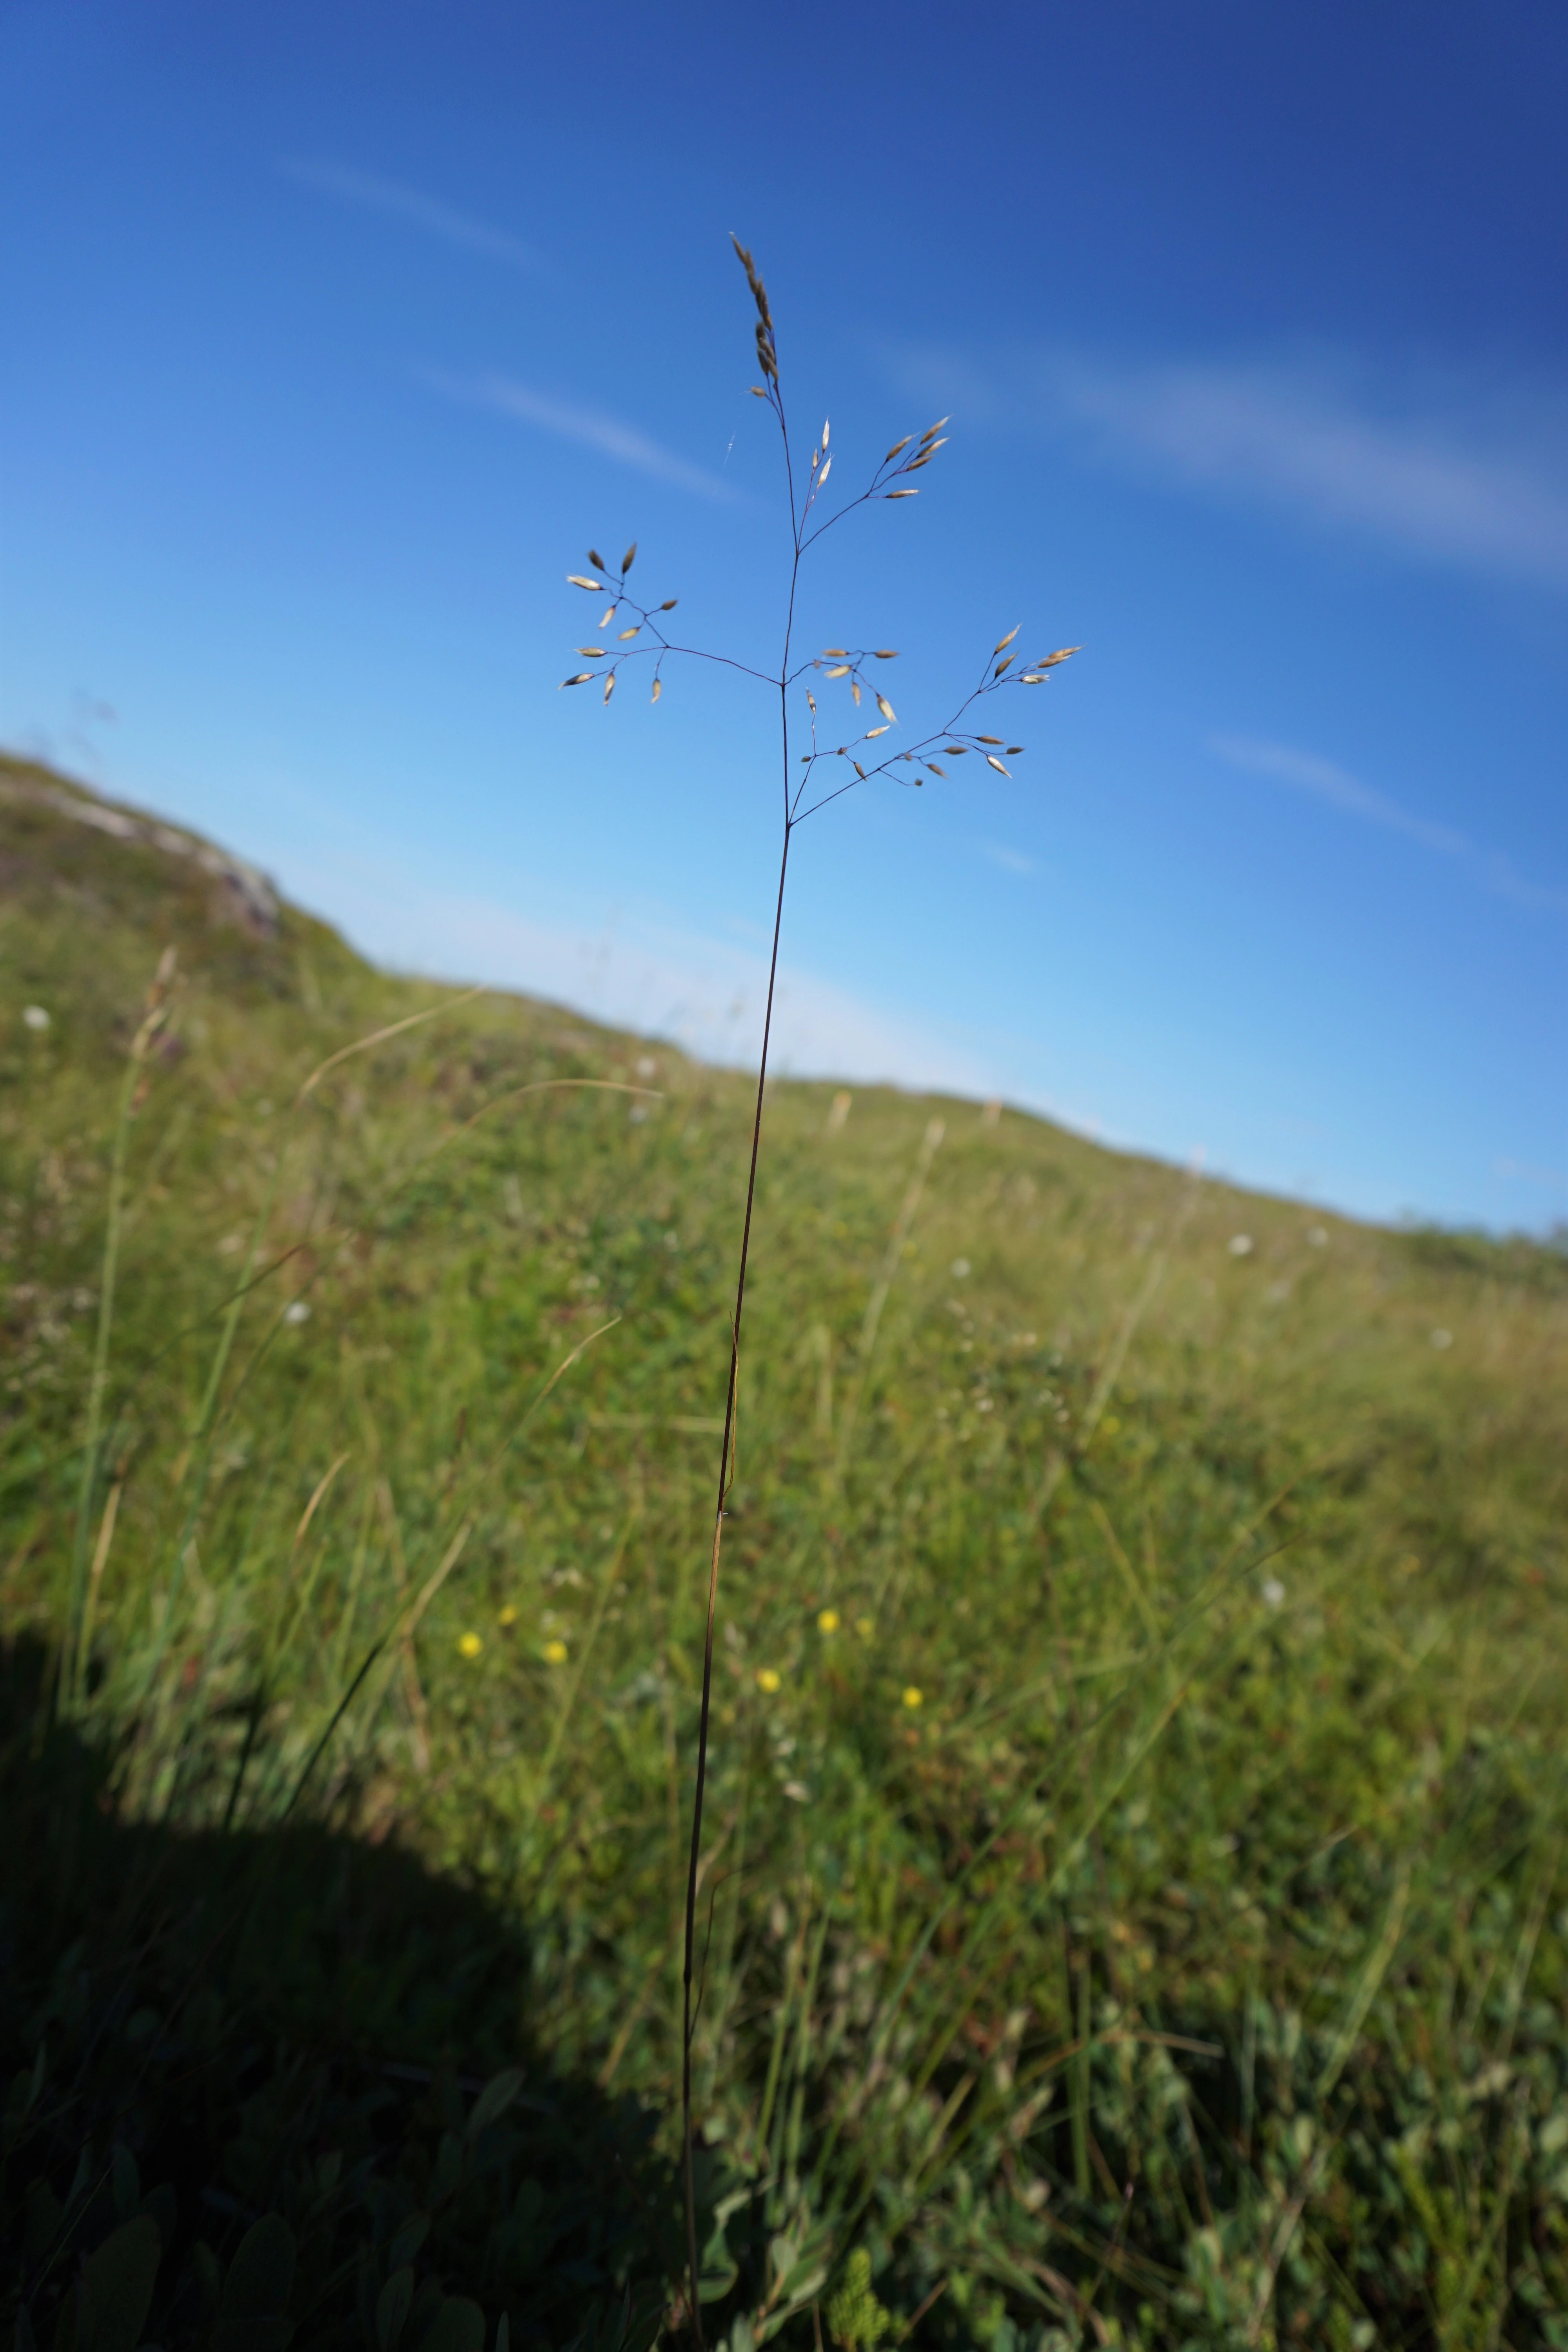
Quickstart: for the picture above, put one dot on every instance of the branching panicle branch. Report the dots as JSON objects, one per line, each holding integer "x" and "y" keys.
{"x": 641, "y": 634}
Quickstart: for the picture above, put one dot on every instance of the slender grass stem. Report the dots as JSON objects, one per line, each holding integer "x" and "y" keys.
{"x": 689, "y": 1965}
{"x": 73, "y": 1655}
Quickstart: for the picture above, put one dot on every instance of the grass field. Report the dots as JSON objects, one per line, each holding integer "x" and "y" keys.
{"x": 1136, "y": 1905}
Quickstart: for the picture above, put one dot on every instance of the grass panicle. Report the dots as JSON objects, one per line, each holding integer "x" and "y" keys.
{"x": 802, "y": 797}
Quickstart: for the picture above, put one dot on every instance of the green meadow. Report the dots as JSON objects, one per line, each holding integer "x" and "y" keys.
{"x": 1135, "y": 1904}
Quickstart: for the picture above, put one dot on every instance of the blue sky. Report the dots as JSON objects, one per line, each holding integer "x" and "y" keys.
{"x": 337, "y": 334}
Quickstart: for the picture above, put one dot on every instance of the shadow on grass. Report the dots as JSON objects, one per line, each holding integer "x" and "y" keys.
{"x": 199, "y": 2031}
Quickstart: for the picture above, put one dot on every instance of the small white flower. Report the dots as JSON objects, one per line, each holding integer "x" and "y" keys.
{"x": 1273, "y": 1591}
{"x": 295, "y": 1311}
{"x": 639, "y": 1112}
{"x": 36, "y": 1017}
{"x": 1440, "y": 1338}
{"x": 1318, "y": 1236}
{"x": 646, "y": 1066}
{"x": 1240, "y": 1244}
{"x": 960, "y": 1268}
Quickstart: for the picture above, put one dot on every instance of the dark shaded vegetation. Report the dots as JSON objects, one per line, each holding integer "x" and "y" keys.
{"x": 211, "y": 2027}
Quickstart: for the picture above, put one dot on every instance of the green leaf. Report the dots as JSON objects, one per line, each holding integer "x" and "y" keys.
{"x": 448, "y": 2166}
{"x": 391, "y": 2308}
{"x": 117, "y": 2288}
{"x": 163, "y": 2207}
{"x": 410, "y": 2237}
{"x": 457, "y": 2327}
{"x": 44, "y": 2213}
{"x": 251, "y": 2316}
{"x": 24, "y": 2089}
{"x": 494, "y": 2100}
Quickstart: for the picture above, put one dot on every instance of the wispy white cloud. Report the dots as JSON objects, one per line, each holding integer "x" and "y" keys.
{"x": 592, "y": 428}
{"x": 1011, "y": 861}
{"x": 1327, "y": 781}
{"x": 372, "y": 193}
{"x": 1461, "y": 474}
{"x": 1467, "y": 469}
{"x": 637, "y": 972}
{"x": 1510, "y": 884}
{"x": 1524, "y": 1171}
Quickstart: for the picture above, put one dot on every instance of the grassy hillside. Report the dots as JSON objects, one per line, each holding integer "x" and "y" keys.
{"x": 1137, "y": 1911}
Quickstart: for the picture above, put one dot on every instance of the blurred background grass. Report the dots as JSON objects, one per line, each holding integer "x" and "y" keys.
{"x": 1134, "y": 1910}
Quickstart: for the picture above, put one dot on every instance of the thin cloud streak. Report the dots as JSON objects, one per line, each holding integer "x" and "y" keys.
{"x": 705, "y": 994}
{"x": 1011, "y": 861}
{"x": 1500, "y": 874}
{"x": 1463, "y": 470}
{"x": 591, "y": 428}
{"x": 371, "y": 193}
{"x": 1448, "y": 482}
{"x": 1327, "y": 781}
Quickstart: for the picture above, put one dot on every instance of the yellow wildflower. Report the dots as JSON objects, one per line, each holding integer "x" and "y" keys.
{"x": 555, "y": 1653}
{"x": 767, "y": 1679}
{"x": 508, "y": 1615}
{"x": 913, "y": 1697}
{"x": 469, "y": 1645}
{"x": 828, "y": 1621}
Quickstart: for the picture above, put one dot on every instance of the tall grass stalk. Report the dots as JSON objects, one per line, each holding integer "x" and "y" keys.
{"x": 931, "y": 1144}
{"x": 74, "y": 1656}
{"x": 799, "y": 800}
